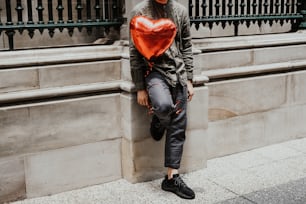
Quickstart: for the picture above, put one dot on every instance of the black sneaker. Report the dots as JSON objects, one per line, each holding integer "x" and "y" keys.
{"x": 177, "y": 186}
{"x": 156, "y": 129}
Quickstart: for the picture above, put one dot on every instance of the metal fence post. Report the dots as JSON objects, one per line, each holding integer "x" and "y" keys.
{"x": 10, "y": 32}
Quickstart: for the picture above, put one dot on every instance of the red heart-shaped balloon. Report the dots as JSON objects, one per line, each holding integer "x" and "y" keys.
{"x": 152, "y": 37}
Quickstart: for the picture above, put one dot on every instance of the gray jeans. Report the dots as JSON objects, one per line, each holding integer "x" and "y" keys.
{"x": 169, "y": 105}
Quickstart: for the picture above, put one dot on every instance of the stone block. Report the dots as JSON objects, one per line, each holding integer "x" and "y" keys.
{"x": 295, "y": 123}
{"x": 125, "y": 70}
{"x": 146, "y": 161}
{"x": 255, "y": 130}
{"x": 218, "y": 31}
{"x": 253, "y": 29}
{"x": 194, "y": 154}
{"x": 223, "y": 59}
{"x": 297, "y": 87}
{"x": 15, "y": 131}
{"x": 128, "y": 170}
{"x": 81, "y": 73}
{"x": 2, "y": 46}
{"x": 126, "y": 115}
{"x": 197, "y": 109}
{"x": 59, "y": 39}
{"x": 265, "y": 28}
{"x": 184, "y": 3}
{"x": 242, "y": 96}
{"x": 143, "y": 158}
{"x": 129, "y": 5}
{"x": 276, "y": 28}
{"x": 201, "y": 32}
{"x": 12, "y": 177}
{"x": 234, "y": 135}
{"x": 51, "y": 125}
{"x": 279, "y": 54}
{"x": 124, "y": 32}
{"x": 135, "y": 118}
{"x": 276, "y": 126}
{"x": 18, "y": 80}
{"x": 71, "y": 168}
{"x": 62, "y": 55}
{"x": 136, "y": 121}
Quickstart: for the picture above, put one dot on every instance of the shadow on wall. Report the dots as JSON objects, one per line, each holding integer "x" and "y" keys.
{"x": 59, "y": 39}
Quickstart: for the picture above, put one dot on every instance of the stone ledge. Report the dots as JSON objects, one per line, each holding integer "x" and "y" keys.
{"x": 255, "y": 70}
{"x": 34, "y": 57}
{"x": 248, "y": 42}
{"x": 47, "y": 93}
{"x": 63, "y": 91}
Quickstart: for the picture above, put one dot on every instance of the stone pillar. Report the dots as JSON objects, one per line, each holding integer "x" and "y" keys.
{"x": 142, "y": 157}
{"x": 128, "y": 7}
{"x": 183, "y": 2}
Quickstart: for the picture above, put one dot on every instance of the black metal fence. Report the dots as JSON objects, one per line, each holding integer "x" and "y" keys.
{"x": 237, "y": 12}
{"x": 58, "y": 14}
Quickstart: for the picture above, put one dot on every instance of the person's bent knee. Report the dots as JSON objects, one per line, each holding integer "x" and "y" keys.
{"x": 164, "y": 109}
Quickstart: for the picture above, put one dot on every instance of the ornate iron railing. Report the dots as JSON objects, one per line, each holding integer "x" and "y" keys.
{"x": 60, "y": 15}
{"x": 237, "y": 12}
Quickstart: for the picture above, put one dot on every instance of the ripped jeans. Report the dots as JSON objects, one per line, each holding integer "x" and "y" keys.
{"x": 169, "y": 105}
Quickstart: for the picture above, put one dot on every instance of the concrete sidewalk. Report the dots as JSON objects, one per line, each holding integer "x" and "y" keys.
{"x": 273, "y": 174}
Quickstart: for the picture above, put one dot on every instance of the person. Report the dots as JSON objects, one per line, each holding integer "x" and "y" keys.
{"x": 167, "y": 87}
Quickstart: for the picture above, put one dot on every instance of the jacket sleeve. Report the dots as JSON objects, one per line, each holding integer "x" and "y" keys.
{"x": 186, "y": 45}
{"x": 137, "y": 64}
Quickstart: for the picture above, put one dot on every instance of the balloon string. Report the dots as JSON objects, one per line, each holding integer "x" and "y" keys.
{"x": 149, "y": 70}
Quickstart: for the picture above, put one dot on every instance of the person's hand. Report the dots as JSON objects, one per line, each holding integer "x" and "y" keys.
{"x": 142, "y": 98}
{"x": 190, "y": 90}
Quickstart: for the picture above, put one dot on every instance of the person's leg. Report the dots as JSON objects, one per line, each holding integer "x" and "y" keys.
{"x": 175, "y": 139}
{"x": 171, "y": 172}
{"x": 169, "y": 105}
{"x": 175, "y": 136}
{"x": 161, "y": 102}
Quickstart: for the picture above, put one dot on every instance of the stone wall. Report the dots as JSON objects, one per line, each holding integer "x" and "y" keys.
{"x": 254, "y": 112}
{"x": 69, "y": 119}
{"x": 256, "y": 94}
{"x": 69, "y": 111}
{"x": 51, "y": 147}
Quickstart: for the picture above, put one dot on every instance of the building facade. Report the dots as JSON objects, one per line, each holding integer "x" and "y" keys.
{"x": 68, "y": 113}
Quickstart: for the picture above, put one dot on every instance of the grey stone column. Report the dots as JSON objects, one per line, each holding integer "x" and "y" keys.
{"x": 183, "y": 2}
{"x": 128, "y": 7}
{"x": 142, "y": 157}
